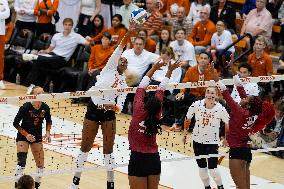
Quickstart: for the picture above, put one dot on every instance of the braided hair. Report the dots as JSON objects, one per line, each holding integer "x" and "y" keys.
{"x": 152, "y": 123}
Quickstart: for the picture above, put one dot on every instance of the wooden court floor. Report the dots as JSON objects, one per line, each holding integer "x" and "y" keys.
{"x": 263, "y": 165}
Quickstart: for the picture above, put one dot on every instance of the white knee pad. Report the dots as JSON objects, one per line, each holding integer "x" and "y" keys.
{"x": 216, "y": 176}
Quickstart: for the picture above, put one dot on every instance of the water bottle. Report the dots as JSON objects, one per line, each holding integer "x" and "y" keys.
{"x": 51, "y": 87}
{"x": 18, "y": 79}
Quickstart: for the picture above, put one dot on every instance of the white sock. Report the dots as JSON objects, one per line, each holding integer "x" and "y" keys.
{"x": 19, "y": 171}
{"x": 216, "y": 176}
{"x": 109, "y": 162}
{"x": 203, "y": 173}
{"x": 80, "y": 162}
{"x": 39, "y": 172}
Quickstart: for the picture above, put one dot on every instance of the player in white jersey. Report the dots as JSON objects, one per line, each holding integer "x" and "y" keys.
{"x": 208, "y": 114}
{"x": 101, "y": 111}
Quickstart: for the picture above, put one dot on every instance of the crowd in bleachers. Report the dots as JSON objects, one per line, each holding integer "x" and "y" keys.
{"x": 188, "y": 27}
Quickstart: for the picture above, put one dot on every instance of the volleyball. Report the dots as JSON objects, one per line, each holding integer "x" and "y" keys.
{"x": 139, "y": 16}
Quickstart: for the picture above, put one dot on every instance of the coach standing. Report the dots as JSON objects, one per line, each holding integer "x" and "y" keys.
{"x": 4, "y": 13}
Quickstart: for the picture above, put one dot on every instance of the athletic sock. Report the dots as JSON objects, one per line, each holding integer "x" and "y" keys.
{"x": 109, "y": 162}
{"x": 216, "y": 176}
{"x": 80, "y": 162}
{"x": 39, "y": 172}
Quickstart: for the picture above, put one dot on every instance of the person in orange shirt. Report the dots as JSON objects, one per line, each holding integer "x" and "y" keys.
{"x": 44, "y": 10}
{"x": 172, "y": 6}
{"x": 260, "y": 61}
{"x": 99, "y": 56}
{"x": 202, "y": 31}
{"x": 117, "y": 30}
{"x": 154, "y": 21}
{"x": 184, "y": 99}
{"x": 150, "y": 44}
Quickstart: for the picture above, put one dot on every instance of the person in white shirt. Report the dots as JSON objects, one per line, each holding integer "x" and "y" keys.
{"x": 4, "y": 13}
{"x": 167, "y": 56}
{"x": 195, "y": 9}
{"x": 101, "y": 111}
{"x": 89, "y": 9}
{"x": 57, "y": 55}
{"x": 126, "y": 10}
{"x": 25, "y": 14}
{"x": 245, "y": 70}
{"x": 183, "y": 49}
{"x": 208, "y": 115}
{"x": 139, "y": 61}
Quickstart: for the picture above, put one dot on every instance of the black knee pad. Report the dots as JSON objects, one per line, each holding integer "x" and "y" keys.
{"x": 22, "y": 158}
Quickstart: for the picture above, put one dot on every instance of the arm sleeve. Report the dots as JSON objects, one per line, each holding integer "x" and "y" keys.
{"x": 144, "y": 82}
{"x": 269, "y": 65}
{"x": 207, "y": 38}
{"x": 48, "y": 118}
{"x": 36, "y": 10}
{"x": 112, "y": 61}
{"x": 266, "y": 116}
{"x": 138, "y": 104}
{"x": 92, "y": 59}
{"x": 30, "y": 11}
{"x": 6, "y": 13}
{"x": 17, "y": 6}
{"x": 234, "y": 106}
{"x": 19, "y": 117}
{"x": 226, "y": 42}
{"x": 53, "y": 41}
{"x": 241, "y": 92}
{"x": 191, "y": 110}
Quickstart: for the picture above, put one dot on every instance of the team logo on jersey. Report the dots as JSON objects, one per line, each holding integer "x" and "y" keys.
{"x": 250, "y": 121}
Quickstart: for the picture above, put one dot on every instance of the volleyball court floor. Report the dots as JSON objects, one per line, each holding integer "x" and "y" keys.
{"x": 178, "y": 174}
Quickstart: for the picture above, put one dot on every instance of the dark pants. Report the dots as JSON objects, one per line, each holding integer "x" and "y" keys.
{"x": 282, "y": 34}
{"x": 45, "y": 28}
{"x": 86, "y": 81}
{"x": 45, "y": 64}
{"x": 25, "y": 25}
{"x": 181, "y": 107}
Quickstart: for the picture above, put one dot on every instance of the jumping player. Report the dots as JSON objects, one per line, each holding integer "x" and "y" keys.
{"x": 101, "y": 111}
{"x": 144, "y": 167}
{"x": 208, "y": 114}
{"x": 29, "y": 134}
{"x": 246, "y": 118}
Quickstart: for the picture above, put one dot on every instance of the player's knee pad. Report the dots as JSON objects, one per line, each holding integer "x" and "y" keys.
{"x": 203, "y": 173}
{"x": 22, "y": 158}
{"x": 214, "y": 174}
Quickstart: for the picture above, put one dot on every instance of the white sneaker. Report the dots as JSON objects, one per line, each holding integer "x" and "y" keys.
{"x": 29, "y": 57}
{"x": 73, "y": 186}
{"x": 2, "y": 86}
{"x": 30, "y": 88}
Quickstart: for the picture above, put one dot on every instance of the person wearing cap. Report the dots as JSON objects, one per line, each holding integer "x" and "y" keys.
{"x": 249, "y": 116}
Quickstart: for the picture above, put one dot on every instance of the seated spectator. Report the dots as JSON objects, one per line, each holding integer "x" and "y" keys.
{"x": 260, "y": 61}
{"x": 219, "y": 42}
{"x": 150, "y": 44}
{"x": 26, "y": 182}
{"x": 99, "y": 56}
{"x": 167, "y": 55}
{"x": 57, "y": 55}
{"x": 117, "y": 30}
{"x": 184, "y": 99}
{"x": 98, "y": 27}
{"x": 202, "y": 31}
{"x": 245, "y": 70}
{"x": 181, "y": 21}
{"x": 281, "y": 19}
{"x": 183, "y": 49}
{"x": 258, "y": 22}
{"x": 164, "y": 40}
{"x": 281, "y": 62}
{"x": 195, "y": 9}
{"x": 44, "y": 10}
{"x": 172, "y": 7}
{"x": 25, "y": 14}
{"x": 126, "y": 10}
{"x": 9, "y": 27}
{"x": 247, "y": 7}
{"x": 268, "y": 138}
{"x": 223, "y": 10}
{"x": 89, "y": 9}
{"x": 139, "y": 61}
{"x": 154, "y": 22}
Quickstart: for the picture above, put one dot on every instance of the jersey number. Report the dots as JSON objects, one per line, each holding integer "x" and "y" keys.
{"x": 205, "y": 121}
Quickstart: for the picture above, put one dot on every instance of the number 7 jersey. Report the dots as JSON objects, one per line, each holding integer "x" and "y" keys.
{"x": 206, "y": 129}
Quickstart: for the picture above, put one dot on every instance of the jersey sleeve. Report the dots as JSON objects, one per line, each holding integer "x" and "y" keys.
{"x": 138, "y": 104}
{"x": 19, "y": 117}
{"x": 112, "y": 61}
{"x": 224, "y": 115}
{"x": 47, "y": 118}
{"x": 191, "y": 110}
